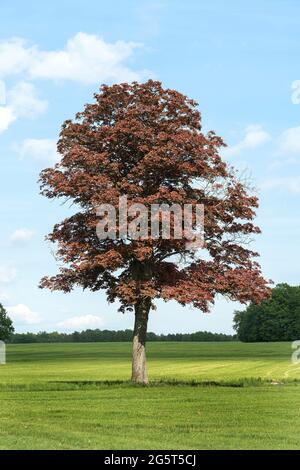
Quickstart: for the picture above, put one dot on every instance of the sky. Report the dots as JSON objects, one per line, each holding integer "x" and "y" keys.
{"x": 239, "y": 60}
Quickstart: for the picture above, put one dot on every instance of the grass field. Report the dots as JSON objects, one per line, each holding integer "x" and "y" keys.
{"x": 202, "y": 396}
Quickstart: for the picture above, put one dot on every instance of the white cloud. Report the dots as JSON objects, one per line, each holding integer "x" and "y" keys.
{"x": 22, "y": 313}
{"x": 86, "y": 58}
{"x": 7, "y": 117}
{"x": 43, "y": 150}
{"x": 7, "y": 274}
{"x": 22, "y": 102}
{"x": 82, "y": 322}
{"x": 288, "y": 183}
{"x": 254, "y": 137}
{"x": 15, "y": 56}
{"x": 289, "y": 141}
{"x": 22, "y": 235}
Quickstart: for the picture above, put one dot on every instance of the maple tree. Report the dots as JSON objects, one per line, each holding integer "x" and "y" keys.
{"x": 145, "y": 142}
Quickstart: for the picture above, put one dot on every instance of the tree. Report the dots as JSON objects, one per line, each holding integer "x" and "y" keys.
{"x": 6, "y": 325}
{"x": 275, "y": 319}
{"x": 145, "y": 142}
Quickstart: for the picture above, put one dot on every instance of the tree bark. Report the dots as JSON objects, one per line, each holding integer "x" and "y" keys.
{"x": 139, "y": 366}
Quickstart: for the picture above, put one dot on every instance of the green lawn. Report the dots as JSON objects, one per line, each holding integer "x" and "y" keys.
{"x": 203, "y": 396}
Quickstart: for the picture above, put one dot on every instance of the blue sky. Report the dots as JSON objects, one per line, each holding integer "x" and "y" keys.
{"x": 239, "y": 60}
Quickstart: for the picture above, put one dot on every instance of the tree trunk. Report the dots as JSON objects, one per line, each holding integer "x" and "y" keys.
{"x": 139, "y": 367}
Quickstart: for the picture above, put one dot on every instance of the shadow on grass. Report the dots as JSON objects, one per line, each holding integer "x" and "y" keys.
{"x": 164, "y": 382}
{"x": 69, "y": 385}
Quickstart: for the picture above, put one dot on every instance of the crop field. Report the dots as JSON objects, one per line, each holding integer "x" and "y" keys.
{"x": 201, "y": 396}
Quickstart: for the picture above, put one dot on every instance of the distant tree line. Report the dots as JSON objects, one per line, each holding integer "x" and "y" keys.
{"x": 275, "y": 319}
{"x": 90, "y": 336}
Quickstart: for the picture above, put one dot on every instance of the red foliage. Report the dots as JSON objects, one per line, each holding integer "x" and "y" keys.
{"x": 146, "y": 142}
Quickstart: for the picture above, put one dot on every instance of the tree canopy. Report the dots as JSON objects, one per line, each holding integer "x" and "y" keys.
{"x": 146, "y": 142}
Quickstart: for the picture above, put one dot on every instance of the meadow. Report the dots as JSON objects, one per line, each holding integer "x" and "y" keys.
{"x": 201, "y": 396}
